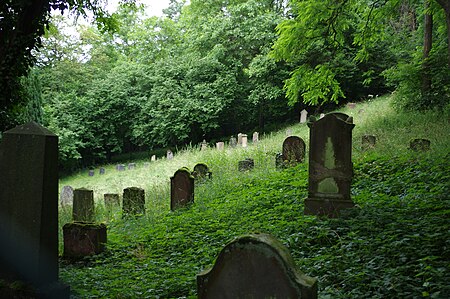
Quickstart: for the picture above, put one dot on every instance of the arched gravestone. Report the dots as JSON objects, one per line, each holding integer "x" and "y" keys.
{"x": 29, "y": 209}
{"x": 181, "y": 189}
{"x": 255, "y": 266}
{"x": 201, "y": 171}
{"x": 330, "y": 165}
{"x": 66, "y": 196}
{"x": 294, "y": 149}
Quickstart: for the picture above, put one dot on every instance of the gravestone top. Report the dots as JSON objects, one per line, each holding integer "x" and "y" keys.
{"x": 220, "y": 145}
{"x": 255, "y": 266}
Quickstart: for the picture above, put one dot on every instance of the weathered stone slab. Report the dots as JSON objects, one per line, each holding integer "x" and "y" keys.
{"x": 83, "y": 239}
{"x": 29, "y": 209}
{"x": 133, "y": 201}
{"x": 101, "y": 170}
{"x": 181, "y": 189}
{"x": 220, "y": 146}
{"x": 303, "y": 116}
{"x": 169, "y": 155}
{"x": 368, "y": 141}
{"x": 201, "y": 172}
{"x": 244, "y": 140}
{"x": 239, "y": 139}
{"x": 330, "y": 165}
{"x": 294, "y": 149}
{"x": 255, "y": 138}
{"x": 66, "y": 196}
{"x": 91, "y": 172}
{"x": 420, "y": 145}
{"x": 247, "y": 164}
{"x": 233, "y": 142}
{"x": 83, "y": 205}
{"x": 255, "y": 266}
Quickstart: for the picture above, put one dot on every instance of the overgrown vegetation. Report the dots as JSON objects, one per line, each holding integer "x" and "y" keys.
{"x": 393, "y": 245}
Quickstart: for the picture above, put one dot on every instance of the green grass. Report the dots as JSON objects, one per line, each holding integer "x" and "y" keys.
{"x": 394, "y": 245}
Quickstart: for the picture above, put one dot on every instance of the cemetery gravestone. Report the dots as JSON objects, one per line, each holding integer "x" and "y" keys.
{"x": 91, "y": 172}
{"x": 153, "y": 158}
{"x": 169, "y": 155}
{"x": 420, "y": 144}
{"x": 83, "y": 239}
{"x": 201, "y": 171}
{"x": 181, "y": 189}
{"x": 120, "y": 167}
{"x": 102, "y": 170}
{"x": 66, "y": 196}
{"x": 111, "y": 200}
{"x": 244, "y": 140}
{"x": 133, "y": 201}
{"x": 368, "y": 141}
{"x": 29, "y": 210}
{"x": 233, "y": 141}
{"x": 204, "y": 145}
{"x": 247, "y": 164}
{"x": 83, "y": 205}
{"x": 255, "y": 138}
{"x": 220, "y": 146}
{"x": 239, "y": 139}
{"x": 131, "y": 166}
{"x": 255, "y": 266}
{"x": 294, "y": 149}
{"x": 330, "y": 165}
{"x": 303, "y": 116}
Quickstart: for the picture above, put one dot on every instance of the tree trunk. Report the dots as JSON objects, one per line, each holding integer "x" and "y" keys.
{"x": 428, "y": 42}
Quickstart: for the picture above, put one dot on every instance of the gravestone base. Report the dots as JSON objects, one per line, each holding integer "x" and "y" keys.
{"x": 330, "y": 207}
{"x": 83, "y": 239}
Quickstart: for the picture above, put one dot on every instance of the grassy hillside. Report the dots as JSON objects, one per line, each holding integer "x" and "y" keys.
{"x": 394, "y": 245}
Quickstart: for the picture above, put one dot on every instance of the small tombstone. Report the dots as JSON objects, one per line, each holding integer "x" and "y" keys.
{"x": 111, "y": 200}
{"x": 420, "y": 145}
{"x": 83, "y": 239}
{"x": 220, "y": 146}
{"x": 244, "y": 140}
{"x": 201, "y": 172}
{"x": 83, "y": 205}
{"x": 247, "y": 164}
{"x": 204, "y": 145}
{"x": 239, "y": 139}
{"x": 153, "y": 158}
{"x": 279, "y": 162}
{"x": 181, "y": 189}
{"x": 29, "y": 210}
{"x": 321, "y": 115}
{"x": 120, "y": 167}
{"x": 351, "y": 105}
{"x": 169, "y": 155}
{"x": 233, "y": 141}
{"x": 66, "y": 196}
{"x": 131, "y": 166}
{"x": 91, "y": 172}
{"x": 101, "y": 170}
{"x": 133, "y": 201}
{"x": 368, "y": 141}
{"x": 330, "y": 165}
{"x": 255, "y": 137}
{"x": 255, "y": 266}
{"x": 288, "y": 132}
{"x": 294, "y": 149}
{"x": 303, "y": 116}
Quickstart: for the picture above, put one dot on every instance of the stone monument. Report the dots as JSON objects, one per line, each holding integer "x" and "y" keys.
{"x": 181, "y": 189}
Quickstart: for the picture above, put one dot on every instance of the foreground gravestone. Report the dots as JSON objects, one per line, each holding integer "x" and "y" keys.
{"x": 294, "y": 149}
{"x": 83, "y": 239}
{"x": 29, "y": 212}
{"x": 181, "y": 189}
{"x": 111, "y": 200}
{"x": 133, "y": 201}
{"x": 255, "y": 266}
{"x": 420, "y": 145}
{"x": 83, "y": 205}
{"x": 233, "y": 141}
{"x": 201, "y": 172}
{"x": 303, "y": 116}
{"x": 368, "y": 141}
{"x": 247, "y": 164}
{"x": 330, "y": 165}
{"x": 66, "y": 196}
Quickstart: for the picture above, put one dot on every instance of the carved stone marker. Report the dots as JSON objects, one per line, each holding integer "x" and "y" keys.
{"x": 330, "y": 165}
{"x": 29, "y": 210}
{"x": 303, "y": 116}
{"x": 420, "y": 145}
{"x": 201, "y": 172}
{"x": 294, "y": 149}
{"x": 244, "y": 140}
{"x": 247, "y": 164}
{"x": 131, "y": 166}
{"x": 120, "y": 167}
{"x": 91, "y": 172}
{"x": 111, "y": 200}
{"x": 181, "y": 189}
{"x": 133, "y": 201}
{"x": 255, "y": 266}
{"x": 255, "y": 137}
{"x": 233, "y": 141}
{"x": 83, "y": 239}
{"x": 368, "y": 141}
{"x": 66, "y": 196}
{"x": 83, "y": 205}
{"x": 169, "y": 155}
{"x": 153, "y": 158}
{"x": 101, "y": 170}
{"x": 204, "y": 145}
{"x": 220, "y": 146}
{"x": 239, "y": 139}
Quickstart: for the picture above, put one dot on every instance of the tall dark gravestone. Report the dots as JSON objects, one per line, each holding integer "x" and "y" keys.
{"x": 330, "y": 165}
{"x": 133, "y": 201}
{"x": 29, "y": 210}
{"x": 181, "y": 189}
{"x": 294, "y": 149}
{"x": 83, "y": 205}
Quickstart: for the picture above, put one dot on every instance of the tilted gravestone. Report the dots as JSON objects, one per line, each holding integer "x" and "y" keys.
{"x": 201, "y": 172}
{"x": 133, "y": 201}
{"x": 83, "y": 239}
{"x": 303, "y": 116}
{"x": 420, "y": 145}
{"x": 247, "y": 164}
{"x": 181, "y": 189}
{"x": 255, "y": 266}
{"x": 29, "y": 210}
{"x": 293, "y": 150}
{"x": 66, "y": 196}
{"x": 111, "y": 200}
{"x": 368, "y": 141}
{"x": 83, "y": 205}
{"x": 233, "y": 141}
{"x": 330, "y": 165}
